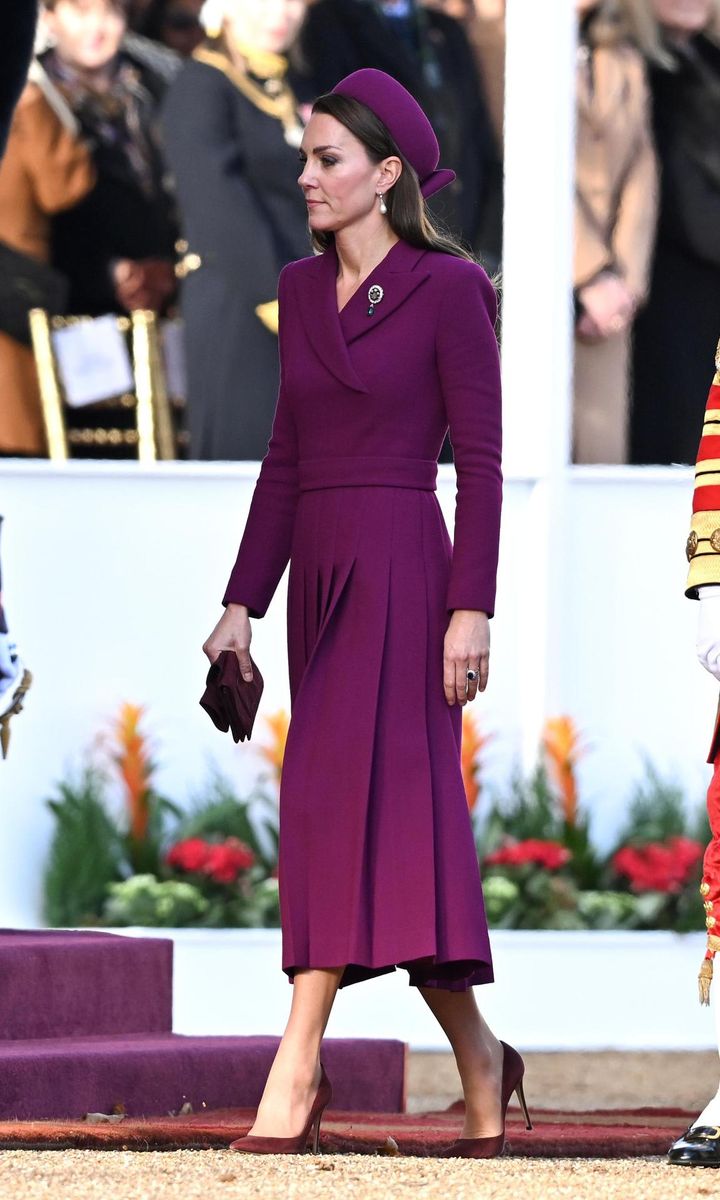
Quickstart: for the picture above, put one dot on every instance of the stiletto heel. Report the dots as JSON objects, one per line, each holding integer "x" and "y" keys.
{"x": 513, "y": 1072}
{"x": 316, "y": 1134}
{"x": 257, "y": 1144}
{"x": 520, "y": 1093}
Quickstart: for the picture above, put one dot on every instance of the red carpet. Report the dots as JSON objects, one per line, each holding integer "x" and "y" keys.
{"x": 601, "y": 1134}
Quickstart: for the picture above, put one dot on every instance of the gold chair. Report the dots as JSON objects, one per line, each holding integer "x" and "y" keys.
{"x": 104, "y": 425}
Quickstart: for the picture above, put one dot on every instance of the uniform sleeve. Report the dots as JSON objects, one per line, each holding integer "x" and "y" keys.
{"x": 703, "y": 544}
{"x": 265, "y": 547}
{"x": 469, "y": 368}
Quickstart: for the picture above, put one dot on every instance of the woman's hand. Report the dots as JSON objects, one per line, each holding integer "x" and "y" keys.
{"x": 232, "y": 632}
{"x": 467, "y": 646}
{"x": 608, "y": 307}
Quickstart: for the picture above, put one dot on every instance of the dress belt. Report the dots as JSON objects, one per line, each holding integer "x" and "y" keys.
{"x": 317, "y": 473}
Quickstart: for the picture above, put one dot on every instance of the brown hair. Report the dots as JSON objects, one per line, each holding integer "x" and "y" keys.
{"x": 406, "y": 209}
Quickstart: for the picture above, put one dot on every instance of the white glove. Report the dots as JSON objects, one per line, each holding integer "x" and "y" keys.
{"x": 708, "y": 633}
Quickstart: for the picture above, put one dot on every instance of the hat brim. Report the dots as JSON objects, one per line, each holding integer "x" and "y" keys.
{"x": 432, "y": 183}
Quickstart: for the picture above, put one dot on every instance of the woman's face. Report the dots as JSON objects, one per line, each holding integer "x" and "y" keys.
{"x": 684, "y": 17}
{"x": 86, "y": 33}
{"x": 269, "y": 25}
{"x": 339, "y": 182}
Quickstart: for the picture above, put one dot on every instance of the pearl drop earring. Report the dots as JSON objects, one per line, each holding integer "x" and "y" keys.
{"x": 383, "y": 205}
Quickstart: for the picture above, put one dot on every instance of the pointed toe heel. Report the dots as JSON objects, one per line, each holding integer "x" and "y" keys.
{"x": 513, "y": 1074}
{"x": 255, "y": 1144}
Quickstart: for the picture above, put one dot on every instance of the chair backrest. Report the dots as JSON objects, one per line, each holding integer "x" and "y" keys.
{"x": 102, "y": 386}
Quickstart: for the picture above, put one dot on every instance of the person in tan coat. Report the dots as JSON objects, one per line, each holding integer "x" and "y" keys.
{"x": 45, "y": 169}
{"x": 615, "y": 214}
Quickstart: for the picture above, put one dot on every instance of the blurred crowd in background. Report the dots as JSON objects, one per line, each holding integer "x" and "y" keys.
{"x": 153, "y": 158}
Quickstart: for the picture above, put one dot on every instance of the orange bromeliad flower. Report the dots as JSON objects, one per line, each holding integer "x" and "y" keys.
{"x": 473, "y": 743}
{"x": 132, "y": 759}
{"x": 274, "y": 751}
{"x": 561, "y": 742}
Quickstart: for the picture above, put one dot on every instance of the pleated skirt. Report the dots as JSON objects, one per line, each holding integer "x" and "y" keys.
{"x": 377, "y": 861}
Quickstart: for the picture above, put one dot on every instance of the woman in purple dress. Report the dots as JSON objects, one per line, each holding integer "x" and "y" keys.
{"x": 386, "y": 342}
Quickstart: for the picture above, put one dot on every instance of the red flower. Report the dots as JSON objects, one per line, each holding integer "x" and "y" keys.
{"x": 190, "y": 855}
{"x": 225, "y": 862}
{"x": 550, "y": 855}
{"x": 658, "y": 866}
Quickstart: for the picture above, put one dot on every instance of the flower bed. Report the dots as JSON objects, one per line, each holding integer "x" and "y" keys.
{"x": 215, "y": 866}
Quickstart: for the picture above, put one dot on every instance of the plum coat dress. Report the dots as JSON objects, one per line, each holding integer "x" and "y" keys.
{"x": 377, "y": 862}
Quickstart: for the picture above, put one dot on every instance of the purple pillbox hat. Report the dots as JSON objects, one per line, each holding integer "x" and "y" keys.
{"x": 405, "y": 121}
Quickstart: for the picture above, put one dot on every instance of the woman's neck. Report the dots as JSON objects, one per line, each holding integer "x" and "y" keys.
{"x": 360, "y": 250}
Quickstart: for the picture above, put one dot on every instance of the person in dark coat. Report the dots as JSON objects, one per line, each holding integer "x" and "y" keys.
{"x": 429, "y": 53}
{"x": 387, "y": 340}
{"x": 675, "y": 334}
{"x": 117, "y": 247}
{"x": 232, "y": 132}
{"x": 16, "y": 46}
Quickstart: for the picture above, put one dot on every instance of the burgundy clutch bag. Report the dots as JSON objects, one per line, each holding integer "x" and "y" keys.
{"x": 231, "y": 701}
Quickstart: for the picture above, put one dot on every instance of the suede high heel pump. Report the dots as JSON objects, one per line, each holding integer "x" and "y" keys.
{"x": 512, "y": 1081}
{"x": 256, "y": 1144}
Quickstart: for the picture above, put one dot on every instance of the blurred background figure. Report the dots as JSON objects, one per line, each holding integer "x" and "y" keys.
{"x": 676, "y": 333}
{"x": 15, "y": 53}
{"x": 15, "y": 679}
{"x": 428, "y": 51}
{"x": 174, "y": 23}
{"x": 615, "y": 213}
{"x": 45, "y": 169}
{"x": 232, "y": 132}
{"x": 117, "y": 247}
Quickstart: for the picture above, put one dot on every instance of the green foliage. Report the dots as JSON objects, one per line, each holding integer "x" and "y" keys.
{"x": 86, "y": 852}
{"x": 258, "y": 907}
{"x": 586, "y": 892}
{"x": 145, "y": 900}
{"x": 528, "y": 811}
{"x": 145, "y": 854}
{"x": 658, "y": 811}
{"x": 221, "y": 812}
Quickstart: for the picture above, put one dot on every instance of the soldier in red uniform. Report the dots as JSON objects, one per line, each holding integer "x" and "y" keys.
{"x": 699, "y": 1146}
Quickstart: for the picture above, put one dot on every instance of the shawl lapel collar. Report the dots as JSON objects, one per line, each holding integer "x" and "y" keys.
{"x": 399, "y": 274}
{"x": 317, "y": 302}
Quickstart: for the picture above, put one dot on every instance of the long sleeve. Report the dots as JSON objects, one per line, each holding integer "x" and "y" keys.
{"x": 634, "y": 236}
{"x": 469, "y": 368}
{"x": 265, "y": 547}
{"x": 55, "y": 159}
{"x": 703, "y": 544}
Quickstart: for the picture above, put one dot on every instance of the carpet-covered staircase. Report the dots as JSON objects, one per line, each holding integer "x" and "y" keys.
{"x": 86, "y": 1025}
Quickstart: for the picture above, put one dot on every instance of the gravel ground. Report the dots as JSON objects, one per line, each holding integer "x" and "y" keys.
{"x": 207, "y": 1175}
{"x": 577, "y": 1081}
{"x": 583, "y": 1081}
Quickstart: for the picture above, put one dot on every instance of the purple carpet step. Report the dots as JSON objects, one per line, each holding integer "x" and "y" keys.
{"x": 55, "y": 983}
{"x": 153, "y": 1074}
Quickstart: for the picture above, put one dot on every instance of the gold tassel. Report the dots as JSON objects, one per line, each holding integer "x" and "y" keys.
{"x": 705, "y": 979}
{"x": 4, "y": 735}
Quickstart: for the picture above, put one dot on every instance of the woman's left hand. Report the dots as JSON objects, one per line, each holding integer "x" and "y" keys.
{"x": 467, "y": 646}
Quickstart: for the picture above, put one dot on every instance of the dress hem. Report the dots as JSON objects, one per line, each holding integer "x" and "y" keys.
{"x": 455, "y": 975}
